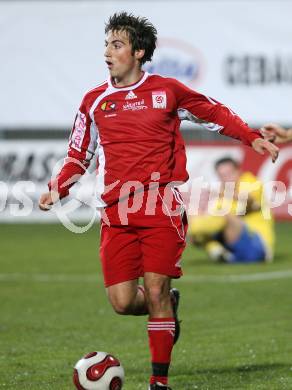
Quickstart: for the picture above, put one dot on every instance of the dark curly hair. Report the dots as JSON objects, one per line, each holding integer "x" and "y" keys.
{"x": 142, "y": 34}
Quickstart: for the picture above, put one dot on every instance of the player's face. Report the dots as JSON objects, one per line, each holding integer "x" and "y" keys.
{"x": 228, "y": 172}
{"x": 118, "y": 54}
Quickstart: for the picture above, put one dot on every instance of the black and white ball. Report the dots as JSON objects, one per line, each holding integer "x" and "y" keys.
{"x": 98, "y": 371}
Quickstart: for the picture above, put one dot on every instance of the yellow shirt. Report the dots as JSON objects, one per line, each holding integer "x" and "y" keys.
{"x": 249, "y": 186}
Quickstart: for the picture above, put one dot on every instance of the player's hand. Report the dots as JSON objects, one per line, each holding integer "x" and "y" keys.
{"x": 47, "y": 200}
{"x": 275, "y": 133}
{"x": 261, "y": 146}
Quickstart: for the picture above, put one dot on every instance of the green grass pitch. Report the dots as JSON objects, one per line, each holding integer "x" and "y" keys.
{"x": 236, "y": 330}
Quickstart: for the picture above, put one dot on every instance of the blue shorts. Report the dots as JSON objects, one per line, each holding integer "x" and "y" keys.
{"x": 249, "y": 248}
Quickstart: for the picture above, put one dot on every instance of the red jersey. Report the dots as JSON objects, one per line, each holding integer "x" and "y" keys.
{"x": 134, "y": 132}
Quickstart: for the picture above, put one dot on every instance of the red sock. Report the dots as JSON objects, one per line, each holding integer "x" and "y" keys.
{"x": 161, "y": 336}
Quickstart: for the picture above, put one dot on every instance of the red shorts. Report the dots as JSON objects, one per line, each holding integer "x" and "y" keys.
{"x": 127, "y": 252}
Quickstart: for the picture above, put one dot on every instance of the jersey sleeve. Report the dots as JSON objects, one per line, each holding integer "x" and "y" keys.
{"x": 211, "y": 114}
{"x": 81, "y": 149}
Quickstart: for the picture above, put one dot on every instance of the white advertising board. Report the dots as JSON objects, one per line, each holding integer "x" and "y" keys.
{"x": 26, "y": 168}
{"x": 228, "y": 50}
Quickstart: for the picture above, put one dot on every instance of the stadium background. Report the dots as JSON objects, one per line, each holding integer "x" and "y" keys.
{"x": 53, "y": 53}
{"x": 238, "y": 52}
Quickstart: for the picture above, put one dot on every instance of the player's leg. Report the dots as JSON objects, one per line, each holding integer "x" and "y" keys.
{"x": 245, "y": 246}
{"x": 162, "y": 249}
{"x": 232, "y": 229}
{"x": 128, "y": 298}
{"x": 205, "y": 227}
{"x": 217, "y": 252}
{"x": 121, "y": 260}
{"x": 161, "y": 324}
{"x": 204, "y": 231}
{"x": 202, "y": 228}
{"x": 157, "y": 291}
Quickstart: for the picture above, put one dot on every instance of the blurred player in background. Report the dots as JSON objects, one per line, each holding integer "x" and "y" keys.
{"x": 131, "y": 121}
{"x": 275, "y": 133}
{"x": 244, "y": 238}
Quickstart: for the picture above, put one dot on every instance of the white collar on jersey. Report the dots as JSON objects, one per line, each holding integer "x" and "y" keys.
{"x": 130, "y": 87}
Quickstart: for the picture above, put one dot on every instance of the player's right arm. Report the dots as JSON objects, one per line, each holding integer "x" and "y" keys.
{"x": 81, "y": 149}
{"x": 46, "y": 201}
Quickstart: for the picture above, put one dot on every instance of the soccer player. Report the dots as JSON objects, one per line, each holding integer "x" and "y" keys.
{"x": 131, "y": 121}
{"x": 276, "y": 133}
{"x": 244, "y": 234}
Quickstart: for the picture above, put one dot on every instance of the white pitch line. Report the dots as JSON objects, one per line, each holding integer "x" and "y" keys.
{"x": 48, "y": 278}
{"x": 97, "y": 278}
{"x": 256, "y": 277}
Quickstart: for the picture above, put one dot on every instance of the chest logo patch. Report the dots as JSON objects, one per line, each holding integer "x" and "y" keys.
{"x": 108, "y": 106}
{"x": 159, "y": 99}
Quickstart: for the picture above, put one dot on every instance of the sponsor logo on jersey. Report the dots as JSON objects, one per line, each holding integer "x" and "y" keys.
{"x": 131, "y": 95}
{"x": 159, "y": 99}
{"x": 78, "y": 130}
{"x": 108, "y": 106}
{"x": 140, "y": 105}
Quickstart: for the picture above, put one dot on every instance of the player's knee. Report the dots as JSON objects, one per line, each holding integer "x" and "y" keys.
{"x": 155, "y": 295}
{"x": 121, "y": 305}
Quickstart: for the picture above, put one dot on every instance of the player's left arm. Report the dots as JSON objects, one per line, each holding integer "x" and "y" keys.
{"x": 215, "y": 116}
{"x": 261, "y": 146}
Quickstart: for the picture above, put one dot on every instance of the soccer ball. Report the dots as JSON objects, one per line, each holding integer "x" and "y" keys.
{"x": 98, "y": 371}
